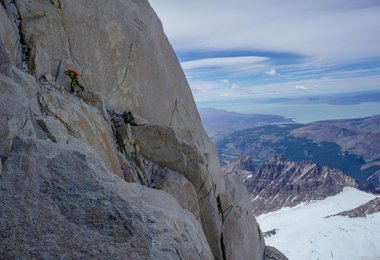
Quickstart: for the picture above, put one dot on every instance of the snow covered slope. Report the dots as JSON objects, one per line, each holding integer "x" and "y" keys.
{"x": 303, "y": 232}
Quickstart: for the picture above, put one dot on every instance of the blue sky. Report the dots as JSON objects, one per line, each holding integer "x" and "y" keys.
{"x": 274, "y": 49}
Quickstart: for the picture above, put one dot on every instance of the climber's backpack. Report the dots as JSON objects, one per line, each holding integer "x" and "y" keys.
{"x": 76, "y": 74}
{"x": 128, "y": 117}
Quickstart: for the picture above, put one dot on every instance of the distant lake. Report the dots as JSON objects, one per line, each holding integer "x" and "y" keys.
{"x": 302, "y": 113}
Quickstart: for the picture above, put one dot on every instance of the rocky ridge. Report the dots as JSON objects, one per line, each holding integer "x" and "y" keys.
{"x": 368, "y": 208}
{"x": 364, "y": 142}
{"x": 372, "y": 184}
{"x": 351, "y": 145}
{"x": 74, "y": 182}
{"x": 272, "y": 253}
{"x": 282, "y": 183}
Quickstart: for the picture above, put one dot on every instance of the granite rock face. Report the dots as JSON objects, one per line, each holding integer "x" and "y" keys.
{"x": 121, "y": 52}
{"x": 119, "y": 49}
{"x": 10, "y": 47}
{"x": 82, "y": 122}
{"x": 181, "y": 189}
{"x": 67, "y": 204}
{"x": 74, "y": 180}
{"x": 239, "y": 227}
{"x": 14, "y": 114}
{"x": 163, "y": 146}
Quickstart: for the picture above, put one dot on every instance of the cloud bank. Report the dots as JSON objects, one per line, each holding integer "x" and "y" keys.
{"x": 253, "y": 48}
{"x": 330, "y": 29}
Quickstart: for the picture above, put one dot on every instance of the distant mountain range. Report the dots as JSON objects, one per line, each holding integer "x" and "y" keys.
{"x": 282, "y": 183}
{"x": 318, "y": 207}
{"x": 356, "y": 136}
{"x": 350, "y": 145}
{"x": 303, "y": 180}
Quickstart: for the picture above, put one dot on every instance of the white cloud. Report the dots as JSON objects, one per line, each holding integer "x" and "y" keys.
{"x": 222, "y": 62}
{"x": 326, "y": 34}
{"x": 338, "y": 30}
{"x": 210, "y": 90}
{"x": 271, "y": 72}
{"x": 301, "y": 88}
{"x": 235, "y": 86}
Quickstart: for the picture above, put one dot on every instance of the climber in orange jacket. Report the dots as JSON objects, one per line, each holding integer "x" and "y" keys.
{"x": 74, "y": 76}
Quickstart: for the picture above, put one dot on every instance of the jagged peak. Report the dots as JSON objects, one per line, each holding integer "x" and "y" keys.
{"x": 282, "y": 183}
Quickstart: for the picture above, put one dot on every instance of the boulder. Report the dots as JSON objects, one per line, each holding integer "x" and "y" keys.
{"x": 162, "y": 146}
{"x": 52, "y": 128}
{"x": 272, "y": 253}
{"x": 125, "y": 165}
{"x": 94, "y": 100}
{"x": 62, "y": 202}
{"x": 130, "y": 174}
{"x": 82, "y": 122}
{"x": 181, "y": 189}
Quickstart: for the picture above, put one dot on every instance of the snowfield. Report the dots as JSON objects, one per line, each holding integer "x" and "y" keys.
{"x": 305, "y": 234}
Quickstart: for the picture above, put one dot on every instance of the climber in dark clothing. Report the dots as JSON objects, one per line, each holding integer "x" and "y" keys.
{"x": 129, "y": 119}
{"x": 74, "y": 76}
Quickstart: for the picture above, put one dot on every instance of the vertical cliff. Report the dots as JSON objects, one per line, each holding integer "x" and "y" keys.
{"x": 66, "y": 162}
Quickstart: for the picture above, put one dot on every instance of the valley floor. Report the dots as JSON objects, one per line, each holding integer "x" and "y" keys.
{"x": 303, "y": 232}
